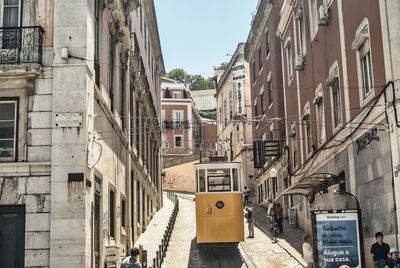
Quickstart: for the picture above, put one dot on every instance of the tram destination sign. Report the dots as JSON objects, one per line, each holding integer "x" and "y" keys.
{"x": 337, "y": 238}
{"x": 272, "y": 148}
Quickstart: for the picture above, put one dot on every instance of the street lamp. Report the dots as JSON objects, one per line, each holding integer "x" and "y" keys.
{"x": 273, "y": 173}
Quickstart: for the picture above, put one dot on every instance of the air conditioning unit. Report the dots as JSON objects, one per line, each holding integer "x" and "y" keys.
{"x": 323, "y": 15}
{"x": 299, "y": 62}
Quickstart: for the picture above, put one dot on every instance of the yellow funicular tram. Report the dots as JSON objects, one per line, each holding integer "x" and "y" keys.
{"x": 219, "y": 203}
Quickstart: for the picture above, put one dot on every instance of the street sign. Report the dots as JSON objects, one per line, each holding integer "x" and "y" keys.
{"x": 337, "y": 238}
{"x": 272, "y": 148}
{"x": 258, "y": 154}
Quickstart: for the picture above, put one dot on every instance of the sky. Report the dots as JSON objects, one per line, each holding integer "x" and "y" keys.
{"x": 197, "y": 34}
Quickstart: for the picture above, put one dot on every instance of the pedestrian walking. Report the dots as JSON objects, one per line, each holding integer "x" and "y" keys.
{"x": 246, "y": 193}
{"x": 270, "y": 213}
{"x": 132, "y": 261}
{"x": 307, "y": 251}
{"x": 379, "y": 251}
{"x": 393, "y": 261}
{"x": 250, "y": 221}
{"x": 279, "y": 217}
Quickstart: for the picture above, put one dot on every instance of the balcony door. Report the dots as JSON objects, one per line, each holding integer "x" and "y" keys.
{"x": 178, "y": 119}
{"x": 10, "y": 14}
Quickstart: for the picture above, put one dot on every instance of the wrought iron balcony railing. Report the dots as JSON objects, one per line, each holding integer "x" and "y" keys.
{"x": 20, "y": 45}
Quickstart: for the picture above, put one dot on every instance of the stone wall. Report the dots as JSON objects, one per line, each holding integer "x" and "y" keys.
{"x": 29, "y": 185}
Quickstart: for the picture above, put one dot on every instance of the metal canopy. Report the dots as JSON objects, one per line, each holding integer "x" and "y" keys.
{"x": 311, "y": 185}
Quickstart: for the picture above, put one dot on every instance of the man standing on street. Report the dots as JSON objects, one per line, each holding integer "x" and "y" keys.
{"x": 246, "y": 193}
{"x": 132, "y": 261}
{"x": 379, "y": 251}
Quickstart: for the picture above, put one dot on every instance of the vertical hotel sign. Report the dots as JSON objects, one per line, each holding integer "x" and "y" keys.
{"x": 238, "y": 80}
{"x": 337, "y": 238}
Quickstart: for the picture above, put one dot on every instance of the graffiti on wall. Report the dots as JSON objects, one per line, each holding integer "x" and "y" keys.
{"x": 366, "y": 139}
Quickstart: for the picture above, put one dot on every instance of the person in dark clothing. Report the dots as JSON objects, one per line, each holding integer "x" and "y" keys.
{"x": 379, "y": 251}
{"x": 250, "y": 221}
{"x": 246, "y": 193}
{"x": 132, "y": 261}
{"x": 393, "y": 261}
{"x": 279, "y": 217}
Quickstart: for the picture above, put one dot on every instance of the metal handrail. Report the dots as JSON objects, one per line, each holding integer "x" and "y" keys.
{"x": 20, "y": 45}
{"x": 162, "y": 248}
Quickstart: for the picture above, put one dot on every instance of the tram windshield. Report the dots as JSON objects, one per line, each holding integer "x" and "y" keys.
{"x": 213, "y": 178}
{"x": 219, "y": 180}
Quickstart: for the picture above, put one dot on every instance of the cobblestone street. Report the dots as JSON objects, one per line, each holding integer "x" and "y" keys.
{"x": 258, "y": 252}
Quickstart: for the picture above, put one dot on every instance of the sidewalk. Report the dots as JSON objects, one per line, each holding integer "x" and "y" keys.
{"x": 292, "y": 238}
{"x": 151, "y": 238}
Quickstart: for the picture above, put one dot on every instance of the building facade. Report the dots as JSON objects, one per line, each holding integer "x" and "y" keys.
{"x": 234, "y": 131}
{"x": 339, "y": 111}
{"x": 263, "y": 52}
{"x": 181, "y": 120}
{"x": 80, "y": 144}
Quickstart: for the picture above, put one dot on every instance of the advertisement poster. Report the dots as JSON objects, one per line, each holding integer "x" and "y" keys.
{"x": 338, "y": 241}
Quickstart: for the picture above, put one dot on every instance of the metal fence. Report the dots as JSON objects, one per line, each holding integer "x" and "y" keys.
{"x": 20, "y": 45}
{"x": 162, "y": 248}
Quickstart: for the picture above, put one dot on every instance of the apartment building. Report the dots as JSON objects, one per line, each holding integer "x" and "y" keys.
{"x": 234, "y": 130}
{"x": 79, "y": 117}
{"x": 338, "y": 110}
{"x": 263, "y": 52}
{"x": 181, "y": 121}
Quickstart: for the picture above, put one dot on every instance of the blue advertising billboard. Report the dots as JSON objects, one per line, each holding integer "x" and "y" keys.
{"x": 337, "y": 238}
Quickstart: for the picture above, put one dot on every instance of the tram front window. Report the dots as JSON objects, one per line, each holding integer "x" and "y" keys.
{"x": 202, "y": 181}
{"x": 219, "y": 180}
{"x": 235, "y": 178}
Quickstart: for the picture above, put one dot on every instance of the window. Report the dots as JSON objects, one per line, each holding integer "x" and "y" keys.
{"x": 138, "y": 201}
{"x": 123, "y": 213}
{"x": 111, "y": 68}
{"x": 177, "y": 117}
{"x": 178, "y": 141}
{"x": 337, "y": 116}
{"x": 266, "y": 44}
{"x": 178, "y": 95}
{"x": 230, "y": 106}
{"x": 301, "y": 35}
{"x": 262, "y": 103}
{"x": 225, "y": 113}
{"x": 307, "y": 126}
{"x": 319, "y": 108}
{"x": 289, "y": 61}
{"x": 218, "y": 180}
{"x": 260, "y": 65}
{"x": 366, "y": 70}
{"x": 313, "y": 17}
{"x": 143, "y": 209}
{"x": 112, "y": 213}
{"x": 269, "y": 90}
{"x": 10, "y": 18}
{"x": 253, "y": 68}
{"x": 8, "y": 130}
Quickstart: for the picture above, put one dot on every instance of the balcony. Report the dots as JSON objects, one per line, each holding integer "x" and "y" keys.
{"x": 175, "y": 125}
{"x": 21, "y": 45}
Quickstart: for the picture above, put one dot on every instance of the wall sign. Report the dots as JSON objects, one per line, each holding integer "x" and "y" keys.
{"x": 271, "y": 148}
{"x": 238, "y": 73}
{"x": 258, "y": 154}
{"x": 68, "y": 120}
{"x": 337, "y": 238}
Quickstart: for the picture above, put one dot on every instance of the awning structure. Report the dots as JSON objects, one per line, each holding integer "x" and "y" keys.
{"x": 311, "y": 185}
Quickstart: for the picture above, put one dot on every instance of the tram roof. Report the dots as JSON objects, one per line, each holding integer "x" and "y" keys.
{"x": 311, "y": 185}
